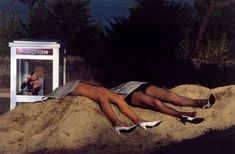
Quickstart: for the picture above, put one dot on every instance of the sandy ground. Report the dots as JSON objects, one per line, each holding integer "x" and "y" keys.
{"x": 77, "y": 125}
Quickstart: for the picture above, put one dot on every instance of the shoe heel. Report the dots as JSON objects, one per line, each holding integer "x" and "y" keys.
{"x": 123, "y": 129}
{"x": 183, "y": 120}
{"x": 117, "y": 130}
{"x": 193, "y": 120}
{"x": 210, "y": 102}
{"x": 144, "y": 125}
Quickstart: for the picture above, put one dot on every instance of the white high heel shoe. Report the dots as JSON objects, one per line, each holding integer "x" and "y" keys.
{"x": 123, "y": 129}
{"x": 147, "y": 124}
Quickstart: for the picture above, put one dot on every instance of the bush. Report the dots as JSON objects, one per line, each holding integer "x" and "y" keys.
{"x": 212, "y": 50}
{"x": 216, "y": 50}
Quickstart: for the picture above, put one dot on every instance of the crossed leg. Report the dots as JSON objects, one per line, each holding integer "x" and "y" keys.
{"x": 104, "y": 97}
{"x": 169, "y": 96}
{"x": 139, "y": 99}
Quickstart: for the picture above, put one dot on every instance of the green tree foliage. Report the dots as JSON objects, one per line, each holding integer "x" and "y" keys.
{"x": 66, "y": 20}
{"x": 153, "y": 28}
{"x": 10, "y": 29}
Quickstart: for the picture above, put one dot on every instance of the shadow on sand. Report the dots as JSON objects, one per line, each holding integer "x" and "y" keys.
{"x": 214, "y": 142}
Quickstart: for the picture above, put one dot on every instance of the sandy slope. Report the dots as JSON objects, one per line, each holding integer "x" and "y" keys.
{"x": 77, "y": 124}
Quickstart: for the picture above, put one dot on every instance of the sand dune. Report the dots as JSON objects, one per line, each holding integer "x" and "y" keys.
{"x": 76, "y": 124}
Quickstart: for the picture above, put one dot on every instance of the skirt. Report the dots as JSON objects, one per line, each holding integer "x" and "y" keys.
{"x": 62, "y": 91}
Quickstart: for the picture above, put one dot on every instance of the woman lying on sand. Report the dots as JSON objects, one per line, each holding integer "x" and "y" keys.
{"x": 104, "y": 97}
{"x": 148, "y": 96}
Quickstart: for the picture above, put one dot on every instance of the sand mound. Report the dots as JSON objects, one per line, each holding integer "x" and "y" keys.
{"x": 77, "y": 124}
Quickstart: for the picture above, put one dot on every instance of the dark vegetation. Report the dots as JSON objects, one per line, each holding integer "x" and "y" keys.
{"x": 156, "y": 42}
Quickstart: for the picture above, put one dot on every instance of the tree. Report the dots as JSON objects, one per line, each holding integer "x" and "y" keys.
{"x": 153, "y": 28}
{"x": 213, "y": 6}
{"x": 211, "y": 35}
{"x": 66, "y": 20}
{"x": 144, "y": 42}
{"x": 10, "y": 29}
{"x": 30, "y": 3}
{"x": 7, "y": 9}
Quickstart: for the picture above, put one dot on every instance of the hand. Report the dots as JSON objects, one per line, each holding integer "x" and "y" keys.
{"x": 28, "y": 77}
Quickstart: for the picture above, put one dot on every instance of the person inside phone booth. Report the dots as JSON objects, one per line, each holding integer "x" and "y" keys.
{"x": 31, "y": 84}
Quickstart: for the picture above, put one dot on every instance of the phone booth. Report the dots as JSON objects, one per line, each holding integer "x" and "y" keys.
{"x": 36, "y": 70}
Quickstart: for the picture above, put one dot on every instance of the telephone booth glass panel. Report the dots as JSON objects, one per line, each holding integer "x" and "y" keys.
{"x": 34, "y": 77}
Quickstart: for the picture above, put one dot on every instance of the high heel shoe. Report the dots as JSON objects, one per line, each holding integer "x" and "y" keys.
{"x": 124, "y": 129}
{"x": 210, "y": 102}
{"x": 147, "y": 124}
{"x": 193, "y": 120}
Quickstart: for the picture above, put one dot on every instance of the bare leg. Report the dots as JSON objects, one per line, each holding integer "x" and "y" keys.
{"x": 121, "y": 104}
{"x": 93, "y": 93}
{"x": 139, "y": 99}
{"x": 169, "y": 96}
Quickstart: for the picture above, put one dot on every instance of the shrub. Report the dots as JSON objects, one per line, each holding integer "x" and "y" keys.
{"x": 216, "y": 49}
